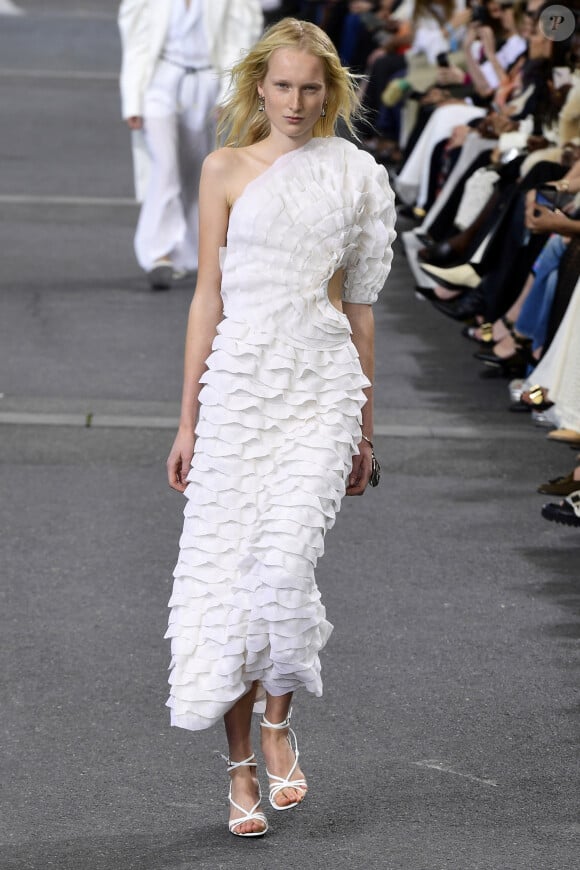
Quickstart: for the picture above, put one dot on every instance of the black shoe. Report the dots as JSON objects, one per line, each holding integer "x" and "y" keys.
{"x": 425, "y": 292}
{"x": 486, "y": 330}
{"x": 414, "y": 212}
{"x": 161, "y": 275}
{"x": 465, "y": 307}
{"x": 515, "y": 365}
{"x": 564, "y": 512}
{"x": 440, "y": 254}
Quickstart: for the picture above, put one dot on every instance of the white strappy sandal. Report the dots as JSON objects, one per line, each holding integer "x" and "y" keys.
{"x": 248, "y": 815}
{"x": 280, "y": 783}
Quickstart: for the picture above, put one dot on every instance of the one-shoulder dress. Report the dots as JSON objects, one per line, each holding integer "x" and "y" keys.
{"x": 279, "y": 423}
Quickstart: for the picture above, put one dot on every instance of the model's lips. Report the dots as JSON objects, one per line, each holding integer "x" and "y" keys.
{"x": 294, "y": 118}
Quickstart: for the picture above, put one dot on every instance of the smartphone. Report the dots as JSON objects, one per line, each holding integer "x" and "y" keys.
{"x": 480, "y": 15}
{"x": 442, "y": 59}
{"x": 547, "y": 201}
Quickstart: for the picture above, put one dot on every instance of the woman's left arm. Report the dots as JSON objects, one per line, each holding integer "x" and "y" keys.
{"x": 363, "y": 336}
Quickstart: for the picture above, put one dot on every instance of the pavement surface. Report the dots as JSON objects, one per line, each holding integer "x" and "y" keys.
{"x": 447, "y": 738}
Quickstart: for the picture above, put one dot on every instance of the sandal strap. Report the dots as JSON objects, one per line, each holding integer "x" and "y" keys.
{"x": 509, "y": 324}
{"x": 289, "y": 783}
{"x": 282, "y": 782}
{"x": 247, "y": 762}
{"x": 277, "y": 726}
{"x": 248, "y": 815}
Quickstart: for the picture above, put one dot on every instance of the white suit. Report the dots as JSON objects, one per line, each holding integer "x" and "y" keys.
{"x": 177, "y": 107}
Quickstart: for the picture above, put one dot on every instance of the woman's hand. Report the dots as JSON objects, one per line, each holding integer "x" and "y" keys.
{"x": 450, "y": 75}
{"x": 540, "y": 219}
{"x": 361, "y": 470}
{"x": 179, "y": 459}
{"x": 135, "y": 122}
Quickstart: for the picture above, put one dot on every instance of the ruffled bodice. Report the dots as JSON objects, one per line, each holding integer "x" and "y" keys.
{"x": 279, "y": 423}
{"x": 344, "y": 199}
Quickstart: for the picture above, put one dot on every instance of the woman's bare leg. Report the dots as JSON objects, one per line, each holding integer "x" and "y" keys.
{"x": 238, "y": 721}
{"x": 277, "y": 751}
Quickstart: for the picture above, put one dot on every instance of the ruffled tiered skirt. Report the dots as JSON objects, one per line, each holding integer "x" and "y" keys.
{"x": 277, "y": 430}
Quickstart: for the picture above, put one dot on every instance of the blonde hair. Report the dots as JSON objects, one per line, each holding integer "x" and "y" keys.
{"x": 242, "y": 124}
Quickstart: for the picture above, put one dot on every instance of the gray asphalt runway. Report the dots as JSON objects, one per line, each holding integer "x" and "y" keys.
{"x": 447, "y": 738}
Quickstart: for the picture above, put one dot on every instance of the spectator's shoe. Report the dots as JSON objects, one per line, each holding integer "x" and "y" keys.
{"x": 535, "y": 398}
{"x": 161, "y": 275}
{"x": 423, "y": 293}
{"x": 517, "y": 388}
{"x": 485, "y": 338}
{"x": 454, "y": 277}
{"x": 546, "y": 419}
{"x": 566, "y": 436}
{"x": 513, "y": 365}
{"x": 415, "y": 212}
{"x": 441, "y": 255}
{"x": 560, "y": 485}
{"x": 465, "y": 307}
{"x": 567, "y": 512}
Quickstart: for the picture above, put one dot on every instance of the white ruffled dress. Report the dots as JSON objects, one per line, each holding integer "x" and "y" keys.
{"x": 279, "y": 423}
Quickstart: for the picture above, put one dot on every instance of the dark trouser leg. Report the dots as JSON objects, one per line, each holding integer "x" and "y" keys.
{"x": 382, "y": 71}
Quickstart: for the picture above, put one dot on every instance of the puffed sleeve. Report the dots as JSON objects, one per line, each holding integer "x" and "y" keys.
{"x": 369, "y": 264}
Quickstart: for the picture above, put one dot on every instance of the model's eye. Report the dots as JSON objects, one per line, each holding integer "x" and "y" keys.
{"x": 282, "y": 85}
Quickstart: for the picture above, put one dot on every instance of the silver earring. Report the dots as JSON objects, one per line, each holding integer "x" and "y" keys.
{"x": 323, "y": 112}
{"x": 261, "y": 104}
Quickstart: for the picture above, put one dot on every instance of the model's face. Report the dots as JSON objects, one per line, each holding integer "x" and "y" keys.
{"x": 294, "y": 92}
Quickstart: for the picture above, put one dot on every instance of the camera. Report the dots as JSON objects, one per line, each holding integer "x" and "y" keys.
{"x": 442, "y": 59}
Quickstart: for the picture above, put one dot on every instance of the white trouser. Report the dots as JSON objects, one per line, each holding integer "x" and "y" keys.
{"x": 472, "y": 148}
{"x": 413, "y": 180}
{"x": 179, "y": 128}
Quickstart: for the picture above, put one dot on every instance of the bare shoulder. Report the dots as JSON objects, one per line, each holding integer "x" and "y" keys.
{"x": 224, "y": 160}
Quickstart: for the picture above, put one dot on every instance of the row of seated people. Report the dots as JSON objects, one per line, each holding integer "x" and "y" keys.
{"x": 498, "y": 247}
{"x": 498, "y": 119}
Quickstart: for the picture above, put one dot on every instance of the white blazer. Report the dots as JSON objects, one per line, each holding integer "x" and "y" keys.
{"x": 232, "y": 26}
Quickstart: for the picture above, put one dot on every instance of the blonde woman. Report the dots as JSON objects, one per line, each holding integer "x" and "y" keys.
{"x": 276, "y": 421}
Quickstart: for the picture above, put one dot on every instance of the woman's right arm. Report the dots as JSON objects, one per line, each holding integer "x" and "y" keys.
{"x": 478, "y": 79}
{"x": 205, "y": 311}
